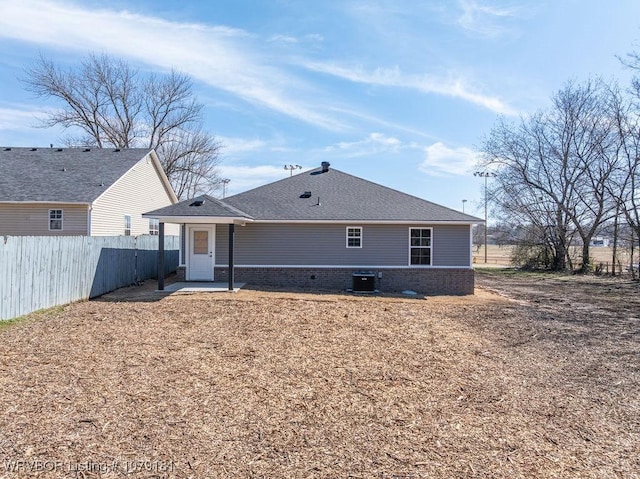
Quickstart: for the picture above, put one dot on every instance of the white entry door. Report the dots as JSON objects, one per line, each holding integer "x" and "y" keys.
{"x": 201, "y": 254}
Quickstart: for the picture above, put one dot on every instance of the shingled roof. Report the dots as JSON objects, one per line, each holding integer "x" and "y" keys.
{"x": 201, "y": 206}
{"x": 62, "y": 175}
{"x": 336, "y": 196}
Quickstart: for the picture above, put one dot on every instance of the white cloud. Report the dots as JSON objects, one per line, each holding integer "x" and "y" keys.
{"x": 19, "y": 118}
{"x": 442, "y": 160}
{"x": 247, "y": 177}
{"x": 291, "y": 40}
{"x": 232, "y": 145}
{"x": 374, "y": 143}
{"x": 452, "y": 86}
{"x": 219, "y": 56}
{"x": 283, "y": 39}
{"x": 483, "y": 19}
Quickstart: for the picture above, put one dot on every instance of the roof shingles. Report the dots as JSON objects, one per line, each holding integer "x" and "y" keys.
{"x": 334, "y": 196}
{"x": 204, "y": 205}
{"x": 338, "y": 196}
{"x": 62, "y": 175}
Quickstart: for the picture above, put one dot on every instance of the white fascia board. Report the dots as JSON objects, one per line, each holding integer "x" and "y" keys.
{"x": 374, "y": 222}
{"x": 201, "y": 220}
{"x": 163, "y": 176}
{"x": 46, "y": 203}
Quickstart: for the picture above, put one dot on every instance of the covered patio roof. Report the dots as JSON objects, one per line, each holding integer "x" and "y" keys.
{"x": 203, "y": 209}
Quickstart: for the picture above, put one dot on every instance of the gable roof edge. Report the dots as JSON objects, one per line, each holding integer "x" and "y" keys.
{"x": 157, "y": 167}
{"x": 163, "y": 176}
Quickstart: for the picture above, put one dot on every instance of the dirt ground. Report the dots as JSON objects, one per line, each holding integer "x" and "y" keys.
{"x": 534, "y": 376}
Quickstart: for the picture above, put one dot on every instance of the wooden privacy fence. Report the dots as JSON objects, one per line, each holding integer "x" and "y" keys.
{"x": 39, "y": 272}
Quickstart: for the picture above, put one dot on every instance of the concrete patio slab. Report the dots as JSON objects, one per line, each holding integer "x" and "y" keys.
{"x": 200, "y": 287}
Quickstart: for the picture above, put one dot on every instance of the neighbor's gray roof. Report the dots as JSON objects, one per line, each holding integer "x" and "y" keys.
{"x": 209, "y": 207}
{"x": 338, "y": 196}
{"x": 62, "y": 175}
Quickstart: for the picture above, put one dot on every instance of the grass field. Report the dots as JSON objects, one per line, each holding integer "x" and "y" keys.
{"x": 501, "y": 256}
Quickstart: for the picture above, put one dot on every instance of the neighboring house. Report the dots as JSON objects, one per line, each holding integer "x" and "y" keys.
{"x": 599, "y": 242}
{"x": 81, "y": 191}
{"x": 316, "y": 229}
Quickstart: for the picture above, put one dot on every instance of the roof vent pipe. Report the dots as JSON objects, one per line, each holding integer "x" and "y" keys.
{"x": 325, "y": 166}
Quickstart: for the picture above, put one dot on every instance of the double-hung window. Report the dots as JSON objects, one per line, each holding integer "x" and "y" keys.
{"x": 127, "y": 225}
{"x": 354, "y": 237}
{"x": 55, "y": 220}
{"x": 420, "y": 246}
{"x": 154, "y": 227}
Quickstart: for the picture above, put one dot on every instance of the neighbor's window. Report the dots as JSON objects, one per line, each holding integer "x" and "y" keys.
{"x": 154, "y": 227}
{"x": 354, "y": 237}
{"x": 127, "y": 225}
{"x": 420, "y": 246}
{"x": 55, "y": 219}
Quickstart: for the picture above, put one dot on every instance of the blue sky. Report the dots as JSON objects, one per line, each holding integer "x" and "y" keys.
{"x": 397, "y": 92}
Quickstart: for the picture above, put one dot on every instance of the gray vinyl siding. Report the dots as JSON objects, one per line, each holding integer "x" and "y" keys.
{"x": 138, "y": 191}
{"x": 32, "y": 219}
{"x": 451, "y": 245}
{"x": 325, "y": 244}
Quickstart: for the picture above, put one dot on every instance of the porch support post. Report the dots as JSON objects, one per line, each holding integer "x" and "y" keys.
{"x": 161, "y": 256}
{"x": 232, "y": 228}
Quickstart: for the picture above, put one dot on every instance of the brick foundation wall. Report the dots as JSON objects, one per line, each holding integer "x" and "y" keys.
{"x": 454, "y": 281}
{"x": 181, "y": 273}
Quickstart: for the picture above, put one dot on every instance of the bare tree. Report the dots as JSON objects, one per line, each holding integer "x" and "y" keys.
{"x": 529, "y": 190}
{"x": 588, "y": 128}
{"x": 108, "y": 103}
{"x": 554, "y": 168}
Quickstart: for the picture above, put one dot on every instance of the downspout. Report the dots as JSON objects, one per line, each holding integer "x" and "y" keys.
{"x": 89, "y": 209}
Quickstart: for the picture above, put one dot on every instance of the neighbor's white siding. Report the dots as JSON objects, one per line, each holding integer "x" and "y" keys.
{"x": 138, "y": 191}
{"x": 32, "y": 219}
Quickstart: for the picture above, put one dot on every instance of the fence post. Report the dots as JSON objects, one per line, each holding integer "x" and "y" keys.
{"x": 161, "y": 256}
{"x": 231, "y": 265}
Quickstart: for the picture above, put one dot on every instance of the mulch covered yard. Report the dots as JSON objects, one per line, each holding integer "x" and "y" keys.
{"x": 296, "y": 385}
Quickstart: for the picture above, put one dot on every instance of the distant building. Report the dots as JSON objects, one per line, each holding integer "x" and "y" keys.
{"x": 599, "y": 242}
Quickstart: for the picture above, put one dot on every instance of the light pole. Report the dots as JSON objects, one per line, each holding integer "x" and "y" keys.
{"x": 224, "y": 182}
{"x": 463, "y": 202}
{"x": 290, "y": 168}
{"x": 485, "y": 175}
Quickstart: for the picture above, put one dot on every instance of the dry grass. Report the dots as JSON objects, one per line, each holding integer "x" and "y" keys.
{"x": 501, "y": 256}
{"x": 259, "y": 384}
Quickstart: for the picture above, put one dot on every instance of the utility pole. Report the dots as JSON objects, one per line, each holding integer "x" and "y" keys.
{"x": 485, "y": 175}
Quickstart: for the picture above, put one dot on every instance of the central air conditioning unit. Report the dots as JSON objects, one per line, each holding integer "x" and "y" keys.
{"x": 364, "y": 282}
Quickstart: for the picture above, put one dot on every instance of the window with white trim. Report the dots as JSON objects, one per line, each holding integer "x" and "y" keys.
{"x": 354, "y": 237}
{"x": 55, "y": 220}
{"x": 420, "y": 246}
{"x": 154, "y": 226}
{"x": 127, "y": 225}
